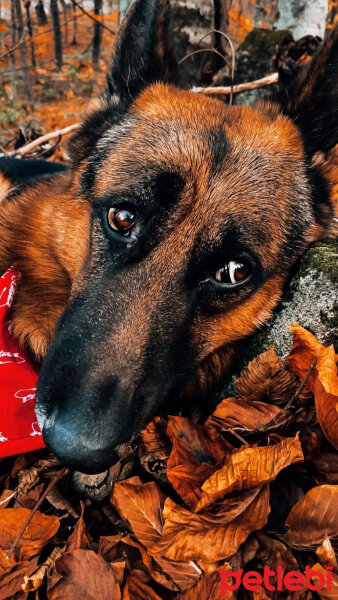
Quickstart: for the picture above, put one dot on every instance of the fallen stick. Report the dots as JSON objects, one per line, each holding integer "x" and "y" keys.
{"x": 240, "y": 87}
{"x": 42, "y": 139}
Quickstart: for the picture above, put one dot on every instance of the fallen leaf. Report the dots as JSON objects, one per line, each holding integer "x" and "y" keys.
{"x": 266, "y": 379}
{"x": 56, "y": 499}
{"x": 118, "y": 568}
{"x": 304, "y": 354}
{"x": 135, "y": 589}
{"x": 12, "y": 579}
{"x": 34, "y": 582}
{"x": 174, "y": 575}
{"x": 242, "y": 415}
{"x": 211, "y": 536}
{"x": 36, "y": 535}
{"x": 248, "y": 468}
{"x": 326, "y": 394}
{"x": 82, "y": 574}
{"x": 153, "y": 437}
{"x": 140, "y": 504}
{"x": 207, "y": 588}
{"x": 328, "y": 592}
{"x": 5, "y": 562}
{"x": 30, "y": 499}
{"x": 6, "y": 497}
{"x": 78, "y": 538}
{"x": 314, "y": 517}
{"x": 196, "y": 453}
{"x": 326, "y": 464}
{"x": 326, "y": 554}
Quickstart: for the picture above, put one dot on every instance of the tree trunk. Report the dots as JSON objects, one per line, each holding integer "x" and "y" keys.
{"x": 12, "y": 54}
{"x": 64, "y": 11}
{"x": 41, "y": 13}
{"x": 26, "y": 76}
{"x": 30, "y": 30}
{"x": 97, "y": 35}
{"x": 74, "y": 40}
{"x": 57, "y": 33}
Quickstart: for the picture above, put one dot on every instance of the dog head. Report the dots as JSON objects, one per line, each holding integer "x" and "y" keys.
{"x": 192, "y": 215}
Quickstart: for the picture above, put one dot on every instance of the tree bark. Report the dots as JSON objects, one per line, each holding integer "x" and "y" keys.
{"x": 41, "y": 13}
{"x": 64, "y": 11}
{"x": 97, "y": 37}
{"x": 26, "y": 76}
{"x": 74, "y": 40}
{"x": 57, "y": 33}
{"x": 30, "y": 30}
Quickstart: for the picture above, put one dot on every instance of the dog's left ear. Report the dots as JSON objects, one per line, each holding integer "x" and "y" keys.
{"x": 142, "y": 52}
{"x": 312, "y": 99}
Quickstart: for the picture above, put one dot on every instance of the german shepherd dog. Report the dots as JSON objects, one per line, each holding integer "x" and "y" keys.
{"x": 170, "y": 239}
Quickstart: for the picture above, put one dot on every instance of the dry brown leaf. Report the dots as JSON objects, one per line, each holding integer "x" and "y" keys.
{"x": 326, "y": 464}
{"x": 326, "y": 554}
{"x": 12, "y": 579}
{"x": 266, "y": 379}
{"x": 196, "y": 444}
{"x": 153, "y": 438}
{"x": 140, "y": 504}
{"x": 242, "y": 415}
{"x": 135, "y": 589}
{"x": 249, "y": 467}
{"x": 207, "y": 588}
{"x": 35, "y": 581}
{"x": 118, "y": 568}
{"x": 110, "y": 547}
{"x": 5, "y": 562}
{"x": 6, "y": 497}
{"x": 211, "y": 536}
{"x": 174, "y": 575}
{"x": 30, "y": 499}
{"x": 78, "y": 538}
{"x": 56, "y": 499}
{"x": 36, "y": 535}
{"x": 325, "y": 593}
{"x": 196, "y": 453}
{"x": 82, "y": 574}
{"x": 314, "y": 517}
{"x": 326, "y": 394}
{"x": 304, "y": 354}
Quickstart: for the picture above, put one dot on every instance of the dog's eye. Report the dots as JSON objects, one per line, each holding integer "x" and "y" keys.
{"x": 121, "y": 219}
{"x": 234, "y": 272}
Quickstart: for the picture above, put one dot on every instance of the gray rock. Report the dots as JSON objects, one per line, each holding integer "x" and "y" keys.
{"x": 311, "y": 301}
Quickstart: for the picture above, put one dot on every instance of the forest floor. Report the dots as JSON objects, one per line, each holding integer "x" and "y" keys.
{"x": 59, "y": 96}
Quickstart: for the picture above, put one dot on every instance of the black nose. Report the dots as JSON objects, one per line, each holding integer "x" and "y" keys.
{"x": 79, "y": 447}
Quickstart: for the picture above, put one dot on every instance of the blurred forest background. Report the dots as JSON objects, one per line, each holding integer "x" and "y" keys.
{"x": 53, "y": 55}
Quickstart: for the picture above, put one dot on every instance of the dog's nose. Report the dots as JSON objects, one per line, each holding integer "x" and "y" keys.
{"x": 79, "y": 448}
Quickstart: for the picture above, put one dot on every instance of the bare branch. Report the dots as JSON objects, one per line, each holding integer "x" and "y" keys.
{"x": 240, "y": 87}
{"x": 27, "y": 148}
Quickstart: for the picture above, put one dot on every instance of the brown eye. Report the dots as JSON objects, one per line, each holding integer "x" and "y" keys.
{"x": 233, "y": 272}
{"x": 121, "y": 219}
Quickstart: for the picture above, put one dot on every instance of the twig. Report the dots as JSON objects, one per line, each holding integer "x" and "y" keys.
{"x": 42, "y": 139}
{"x": 34, "y": 510}
{"x": 93, "y": 18}
{"x": 240, "y": 87}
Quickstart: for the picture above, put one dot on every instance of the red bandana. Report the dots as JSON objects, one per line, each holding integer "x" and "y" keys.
{"x": 19, "y": 429}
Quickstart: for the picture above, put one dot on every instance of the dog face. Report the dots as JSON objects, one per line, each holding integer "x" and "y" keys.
{"x": 189, "y": 215}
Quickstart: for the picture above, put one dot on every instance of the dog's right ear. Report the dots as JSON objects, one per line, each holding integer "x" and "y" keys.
{"x": 142, "y": 55}
{"x": 142, "y": 52}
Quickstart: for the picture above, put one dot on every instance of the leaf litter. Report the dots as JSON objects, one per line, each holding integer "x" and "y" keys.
{"x": 255, "y": 485}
